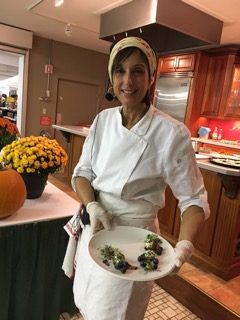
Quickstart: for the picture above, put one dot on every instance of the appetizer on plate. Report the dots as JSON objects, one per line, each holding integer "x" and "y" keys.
{"x": 114, "y": 255}
{"x": 148, "y": 260}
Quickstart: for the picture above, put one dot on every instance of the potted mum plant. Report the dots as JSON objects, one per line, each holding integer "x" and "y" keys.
{"x": 8, "y": 132}
{"x": 34, "y": 157}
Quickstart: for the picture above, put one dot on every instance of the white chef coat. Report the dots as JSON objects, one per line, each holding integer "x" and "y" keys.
{"x": 139, "y": 163}
{"x": 131, "y": 169}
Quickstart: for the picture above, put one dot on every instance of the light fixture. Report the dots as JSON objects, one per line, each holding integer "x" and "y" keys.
{"x": 58, "y": 3}
{"x": 68, "y": 30}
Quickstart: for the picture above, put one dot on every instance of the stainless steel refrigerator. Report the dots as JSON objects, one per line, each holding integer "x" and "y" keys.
{"x": 171, "y": 93}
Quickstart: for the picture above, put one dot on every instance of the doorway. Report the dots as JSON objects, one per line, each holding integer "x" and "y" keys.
{"x": 13, "y": 71}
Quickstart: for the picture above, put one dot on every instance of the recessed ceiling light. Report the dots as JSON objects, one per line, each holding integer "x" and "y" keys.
{"x": 58, "y": 3}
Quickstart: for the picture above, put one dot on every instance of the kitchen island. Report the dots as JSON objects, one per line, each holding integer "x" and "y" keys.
{"x": 32, "y": 248}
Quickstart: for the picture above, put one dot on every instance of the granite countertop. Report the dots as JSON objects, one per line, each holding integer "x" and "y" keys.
{"x": 78, "y": 130}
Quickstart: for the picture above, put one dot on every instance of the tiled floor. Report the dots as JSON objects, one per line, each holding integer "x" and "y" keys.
{"x": 162, "y": 306}
{"x": 225, "y": 292}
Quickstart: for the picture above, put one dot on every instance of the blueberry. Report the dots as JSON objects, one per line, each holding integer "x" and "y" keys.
{"x": 141, "y": 257}
{"x": 123, "y": 269}
{"x": 159, "y": 251}
{"x": 118, "y": 265}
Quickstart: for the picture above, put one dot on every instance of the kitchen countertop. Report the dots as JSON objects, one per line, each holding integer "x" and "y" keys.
{"x": 53, "y": 204}
{"x": 206, "y": 164}
{"x": 78, "y": 130}
{"x": 220, "y": 143}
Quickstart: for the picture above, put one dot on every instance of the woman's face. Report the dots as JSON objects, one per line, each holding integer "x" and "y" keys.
{"x": 131, "y": 80}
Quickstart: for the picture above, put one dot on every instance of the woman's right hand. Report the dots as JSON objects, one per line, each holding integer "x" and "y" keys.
{"x": 99, "y": 217}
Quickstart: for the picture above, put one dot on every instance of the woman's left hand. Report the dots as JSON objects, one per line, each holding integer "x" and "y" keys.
{"x": 192, "y": 222}
{"x": 183, "y": 251}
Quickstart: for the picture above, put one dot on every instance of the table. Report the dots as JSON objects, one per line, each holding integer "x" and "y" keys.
{"x": 32, "y": 247}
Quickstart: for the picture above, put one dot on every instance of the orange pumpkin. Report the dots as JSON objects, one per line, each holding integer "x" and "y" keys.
{"x": 12, "y": 192}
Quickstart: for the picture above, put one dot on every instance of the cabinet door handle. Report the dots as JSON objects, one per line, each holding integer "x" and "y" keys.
{"x": 176, "y": 62}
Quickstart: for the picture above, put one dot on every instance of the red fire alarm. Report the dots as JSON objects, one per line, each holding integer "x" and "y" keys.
{"x": 48, "y": 68}
{"x": 45, "y": 121}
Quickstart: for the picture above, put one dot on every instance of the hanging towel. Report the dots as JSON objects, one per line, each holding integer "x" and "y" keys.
{"x": 73, "y": 227}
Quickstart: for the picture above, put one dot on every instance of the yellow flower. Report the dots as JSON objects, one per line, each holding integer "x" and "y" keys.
{"x": 34, "y": 154}
{"x": 37, "y": 164}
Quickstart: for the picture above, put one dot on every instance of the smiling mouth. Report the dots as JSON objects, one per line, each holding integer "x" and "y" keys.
{"x": 128, "y": 92}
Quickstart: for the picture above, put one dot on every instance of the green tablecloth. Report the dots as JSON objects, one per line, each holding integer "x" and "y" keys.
{"x": 32, "y": 283}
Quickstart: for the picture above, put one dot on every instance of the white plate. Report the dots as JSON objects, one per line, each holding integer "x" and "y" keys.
{"x": 130, "y": 241}
{"x": 229, "y": 162}
{"x": 224, "y": 156}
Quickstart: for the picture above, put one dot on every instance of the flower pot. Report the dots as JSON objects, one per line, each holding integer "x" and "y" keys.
{"x": 35, "y": 184}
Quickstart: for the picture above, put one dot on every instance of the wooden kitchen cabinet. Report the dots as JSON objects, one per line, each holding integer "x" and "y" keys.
{"x": 221, "y": 97}
{"x": 169, "y": 216}
{"x": 178, "y": 63}
{"x": 196, "y": 64}
{"x": 215, "y": 89}
{"x": 233, "y": 103}
{"x": 213, "y": 185}
{"x": 217, "y": 67}
{"x": 218, "y": 244}
{"x": 226, "y": 242}
{"x": 74, "y": 150}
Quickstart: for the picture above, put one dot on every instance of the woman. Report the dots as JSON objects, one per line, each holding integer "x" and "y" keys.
{"x": 131, "y": 154}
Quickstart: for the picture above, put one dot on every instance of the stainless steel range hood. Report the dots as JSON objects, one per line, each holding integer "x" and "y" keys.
{"x": 169, "y": 25}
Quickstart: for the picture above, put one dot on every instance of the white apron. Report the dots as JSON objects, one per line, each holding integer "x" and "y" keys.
{"x": 99, "y": 295}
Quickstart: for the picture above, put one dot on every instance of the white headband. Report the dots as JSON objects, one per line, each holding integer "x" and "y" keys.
{"x": 133, "y": 42}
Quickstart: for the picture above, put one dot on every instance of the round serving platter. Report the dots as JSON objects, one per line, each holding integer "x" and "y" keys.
{"x": 130, "y": 241}
{"x": 231, "y": 162}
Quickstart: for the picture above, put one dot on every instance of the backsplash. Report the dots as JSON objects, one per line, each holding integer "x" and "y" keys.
{"x": 230, "y": 128}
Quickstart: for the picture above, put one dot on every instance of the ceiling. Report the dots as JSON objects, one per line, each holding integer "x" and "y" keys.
{"x": 45, "y": 20}
{"x": 41, "y": 17}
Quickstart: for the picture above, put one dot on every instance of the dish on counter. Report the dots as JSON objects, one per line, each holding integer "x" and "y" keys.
{"x": 130, "y": 241}
{"x": 233, "y": 162}
{"x": 224, "y": 156}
